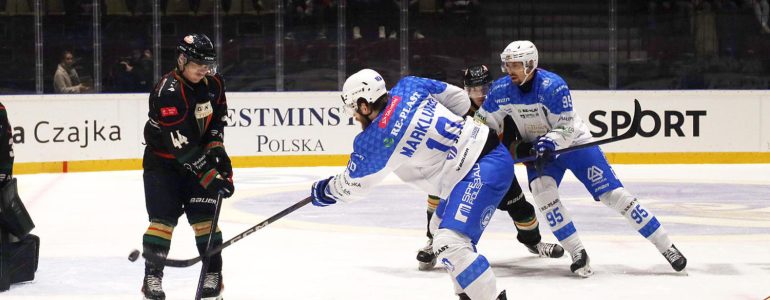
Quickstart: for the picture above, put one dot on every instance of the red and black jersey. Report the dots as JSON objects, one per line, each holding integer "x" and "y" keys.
{"x": 186, "y": 119}
{"x": 6, "y": 146}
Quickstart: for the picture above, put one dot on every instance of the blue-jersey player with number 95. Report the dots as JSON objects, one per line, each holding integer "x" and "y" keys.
{"x": 416, "y": 131}
{"x": 541, "y": 107}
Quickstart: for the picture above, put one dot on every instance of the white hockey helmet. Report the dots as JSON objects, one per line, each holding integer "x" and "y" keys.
{"x": 520, "y": 51}
{"x": 367, "y": 84}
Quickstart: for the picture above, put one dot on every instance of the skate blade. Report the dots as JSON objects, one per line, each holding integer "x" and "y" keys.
{"x": 213, "y": 298}
{"x": 584, "y": 272}
{"x": 426, "y": 266}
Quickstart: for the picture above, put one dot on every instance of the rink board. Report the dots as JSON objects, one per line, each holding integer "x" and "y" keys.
{"x": 62, "y": 133}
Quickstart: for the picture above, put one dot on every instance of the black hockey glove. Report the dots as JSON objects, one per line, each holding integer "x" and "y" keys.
{"x": 519, "y": 149}
{"x": 221, "y": 161}
{"x": 214, "y": 183}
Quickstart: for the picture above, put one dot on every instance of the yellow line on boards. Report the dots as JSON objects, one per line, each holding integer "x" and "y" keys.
{"x": 341, "y": 160}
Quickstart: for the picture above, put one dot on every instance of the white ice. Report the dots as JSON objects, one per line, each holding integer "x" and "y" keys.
{"x": 718, "y": 216}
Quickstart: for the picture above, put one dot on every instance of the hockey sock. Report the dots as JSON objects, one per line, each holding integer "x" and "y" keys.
{"x": 546, "y": 196}
{"x": 640, "y": 218}
{"x": 469, "y": 270}
{"x": 523, "y": 215}
{"x": 432, "y": 203}
{"x": 202, "y": 230}
{"x": 157, "y": 239}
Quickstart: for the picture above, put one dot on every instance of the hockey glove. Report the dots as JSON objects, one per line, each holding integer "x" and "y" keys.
{"x": 319, "y": 193}
{"x": 214, "y": 183}
{"x": 221, "y": 161}
{"x": 544, "y": 148}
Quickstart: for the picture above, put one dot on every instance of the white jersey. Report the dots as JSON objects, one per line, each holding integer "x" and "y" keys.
{"x": 419, "y": 136}
{"x": 544, "y": 110}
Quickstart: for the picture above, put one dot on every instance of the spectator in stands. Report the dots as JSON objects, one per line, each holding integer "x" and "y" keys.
{"x": 704, "y": 29}
{"x": 66, "y": 79}
{"x": 382, "y": 14}
{"x": 463, "y": 17}
{"x": 761, "y": 10}
{"x": 307, "y": 16}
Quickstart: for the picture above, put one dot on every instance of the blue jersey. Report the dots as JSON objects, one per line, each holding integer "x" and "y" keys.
{"x": 545, "y": 110}
{"x": 420, "y": 136}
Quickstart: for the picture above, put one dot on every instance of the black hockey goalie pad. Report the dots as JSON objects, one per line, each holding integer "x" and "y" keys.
{"x": 13, "y": 215}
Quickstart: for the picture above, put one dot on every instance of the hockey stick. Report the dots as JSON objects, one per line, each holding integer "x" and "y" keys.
{"x": 183, "y": 263}
{"x": 212, "y": 230}
{"x": 632, "y": 130}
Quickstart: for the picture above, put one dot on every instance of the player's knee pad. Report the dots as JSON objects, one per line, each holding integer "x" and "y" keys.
{"x": 469, "y": 270}
{"x": 512, "y": 197}
{"x": 544, "y": 190}
{"x": 159, "y": 233}
{"x": 522, "y": 211}
{"x": 618, "y": 199}
{"x": 202, "y": 230}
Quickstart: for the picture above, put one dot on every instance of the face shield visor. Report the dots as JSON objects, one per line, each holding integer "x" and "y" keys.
{"x": 478, "y": 91}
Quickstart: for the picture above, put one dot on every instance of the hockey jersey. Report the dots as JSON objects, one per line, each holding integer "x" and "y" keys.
{"x": 420, "y": 136}
{"x": 544, "y": 110}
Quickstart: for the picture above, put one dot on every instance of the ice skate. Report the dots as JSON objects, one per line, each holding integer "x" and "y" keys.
{"x": 581, "y": 264}
{"x": 502, "y": 296}
{"x": 152, "y": 288}
{"x": 675, "y": 258}
{"x": 212, "y": 286}
{"x": 546, "y": 250}
{"x": 426, "y": 257}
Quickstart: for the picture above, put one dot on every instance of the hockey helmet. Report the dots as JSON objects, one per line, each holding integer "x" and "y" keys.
{"x": 366, "y": 84}
{"x": 476, "y": 80}
{"x": 524, "y": 52}
{"x": 197, "y": 47}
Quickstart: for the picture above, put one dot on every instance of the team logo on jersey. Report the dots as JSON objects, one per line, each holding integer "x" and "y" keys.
{"x": 203, "y": 110}
{"x": 389, "y": 111}
{"x": 168, "y": 111}
{"x": 486, "y": 216}
{"x": 462, "y": 212}
{"x": 388, "y": 142}
{"x": 595, "y": 174}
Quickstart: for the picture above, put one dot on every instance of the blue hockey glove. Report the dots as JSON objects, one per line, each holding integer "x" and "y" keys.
{"x": 545, "y": 147}
{"x": 319, "y": 194}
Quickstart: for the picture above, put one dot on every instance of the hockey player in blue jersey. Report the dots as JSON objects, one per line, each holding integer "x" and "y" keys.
{"x": 541, "y": 107}
{"x": 416, "y": 131}
{"x": 476, "y": 81}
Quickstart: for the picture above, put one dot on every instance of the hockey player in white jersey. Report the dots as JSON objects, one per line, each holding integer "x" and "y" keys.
{"x": 476, "y": 80}
{"x": 541, "y": 107}
{"x": 416, "y": 132}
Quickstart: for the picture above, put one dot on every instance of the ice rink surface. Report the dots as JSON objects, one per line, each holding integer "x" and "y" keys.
{"x": 717, "y": 215}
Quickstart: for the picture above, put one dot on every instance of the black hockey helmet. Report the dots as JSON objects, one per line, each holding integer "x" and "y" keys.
{"x": 197, "y": 47}
{"x": 476, "y": 75}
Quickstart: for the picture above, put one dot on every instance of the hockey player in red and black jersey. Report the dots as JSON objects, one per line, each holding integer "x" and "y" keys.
{"x": 477, "y": 80}
{"x": 185, "y": 163}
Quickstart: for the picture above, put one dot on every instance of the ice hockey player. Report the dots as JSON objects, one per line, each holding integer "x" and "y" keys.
{"x": 540, "y": 104}
{"x": 476, "y": 80}
{"x": 185, "y": 163}
{"x": 416, "y": 132}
